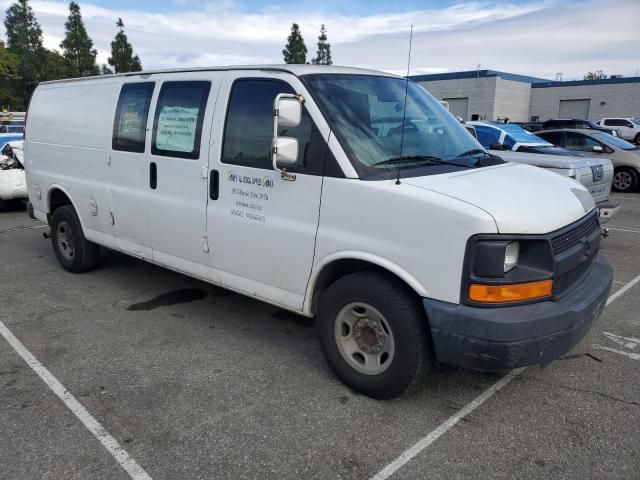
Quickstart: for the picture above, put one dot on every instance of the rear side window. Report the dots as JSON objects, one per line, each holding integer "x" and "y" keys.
{"x": 130, "y": 124}
{"x": 249, "y": 127}
{"x": 617, "y": 122}
{"x": 177, "y": 126}
{"x": 557, "y": 138}
{"x": 577, "y": 141}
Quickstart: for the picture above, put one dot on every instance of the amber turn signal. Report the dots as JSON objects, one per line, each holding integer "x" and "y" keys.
{"x": 510, "y": 293}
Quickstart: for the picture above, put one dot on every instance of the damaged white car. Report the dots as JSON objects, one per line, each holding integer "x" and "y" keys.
{"x": 13, "y": 185}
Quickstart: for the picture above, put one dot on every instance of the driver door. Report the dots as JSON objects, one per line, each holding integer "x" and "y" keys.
{"x": 262, "y": 226}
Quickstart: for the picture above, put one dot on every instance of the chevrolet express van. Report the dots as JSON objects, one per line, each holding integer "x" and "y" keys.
{"x": 348, "y": 195}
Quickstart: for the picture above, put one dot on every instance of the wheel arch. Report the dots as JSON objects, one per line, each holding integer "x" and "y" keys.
{"x": 57, "y": 196}
{"x": 340, "y": 264}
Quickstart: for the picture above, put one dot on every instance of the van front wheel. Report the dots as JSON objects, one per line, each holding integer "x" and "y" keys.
{"x": 74, "y": 252}
{"x": 373, "y": 334}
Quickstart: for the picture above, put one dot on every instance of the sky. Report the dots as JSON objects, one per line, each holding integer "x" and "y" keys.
{"x": 530, "y": 37}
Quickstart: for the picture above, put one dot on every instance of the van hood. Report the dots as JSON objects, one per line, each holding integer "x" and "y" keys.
{"x": 520, "y": 198}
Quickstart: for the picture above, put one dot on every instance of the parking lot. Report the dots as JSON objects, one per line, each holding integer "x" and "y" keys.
{"x": 186, "y": 380}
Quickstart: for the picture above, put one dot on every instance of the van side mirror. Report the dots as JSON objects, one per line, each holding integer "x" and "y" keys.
{"x": 287, "y": 113}
{"x": 598, "y": 149}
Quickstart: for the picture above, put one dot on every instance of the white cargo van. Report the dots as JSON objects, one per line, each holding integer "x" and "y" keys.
{"x": 297, "y": 185}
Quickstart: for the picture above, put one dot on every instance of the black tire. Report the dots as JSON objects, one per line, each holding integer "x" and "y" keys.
{"x": 625, "y": 179}
{"x": 403, "y": 314}
{"x": 637, "y": 139}
{"x": 74, "y": 252}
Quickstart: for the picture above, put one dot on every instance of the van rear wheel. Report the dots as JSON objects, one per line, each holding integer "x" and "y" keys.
{"x": 625, "y": 180}
{"x": 74, "y": 252}
{"x": 373, "y": 333}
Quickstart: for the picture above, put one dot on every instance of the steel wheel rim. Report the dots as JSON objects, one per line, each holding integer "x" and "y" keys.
{"x": 64, "y": 240}
{"x": 622, "y": 180}
{"x": 364, "y": 338}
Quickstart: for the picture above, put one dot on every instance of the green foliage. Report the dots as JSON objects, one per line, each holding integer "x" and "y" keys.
{"x": 56, "y": 67}
{"x": 122, "y": 58}
{"x": 597, "y": 75}
{"x": 104, "y": 70}
{"x": 323, "y": 54}
{"x": 295, "y": 50}
{"x": 24, "y": 39}
{"x": 77, "y": 47}
{"x": 8, "y": 64}
{"x": 9, "y": 77}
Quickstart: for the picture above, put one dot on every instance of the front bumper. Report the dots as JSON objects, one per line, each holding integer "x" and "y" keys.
{"x": 607, "y": 210}
{"x": 508, "y": 337}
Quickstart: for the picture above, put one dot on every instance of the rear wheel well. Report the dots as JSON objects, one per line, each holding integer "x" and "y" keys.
{"x": 341, "y": 268}
{"x": 57, "y": 198}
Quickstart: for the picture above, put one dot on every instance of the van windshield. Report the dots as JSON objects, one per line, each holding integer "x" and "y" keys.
{"x": 367, "y": 115}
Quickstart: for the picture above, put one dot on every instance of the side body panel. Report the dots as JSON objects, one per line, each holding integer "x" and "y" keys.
{"x": 74, "y": 162}
{"x": 177, "y": 206}
{"x": 418, "y": 234}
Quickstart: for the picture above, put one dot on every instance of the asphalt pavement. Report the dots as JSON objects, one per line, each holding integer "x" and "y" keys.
{"x": 193, "y": 381}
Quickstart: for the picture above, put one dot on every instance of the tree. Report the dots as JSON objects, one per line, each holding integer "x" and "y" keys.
{"x": 104, "y": 70}
{"x": 56, "y": 67}
{"x": 295, "y": 50}
{"x": 9, "y": 77}
{"x": 597, "y": 75}
{"x": 77, "y": 47}
{"x": 122, "y": 58}
{"x": 323, "y": 54}
{"x": 24, "y": 39}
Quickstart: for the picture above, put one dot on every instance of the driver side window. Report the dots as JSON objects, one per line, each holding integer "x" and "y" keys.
{"x": 583, "y": 143}
{"x": 249, "y": 126}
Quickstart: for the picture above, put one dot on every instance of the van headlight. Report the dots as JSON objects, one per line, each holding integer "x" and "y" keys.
{"x": 511, "y": 256}
{"x": 506, "y": 268}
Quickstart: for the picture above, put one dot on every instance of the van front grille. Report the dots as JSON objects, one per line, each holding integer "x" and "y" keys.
{"x": 568, "y": 239}
{"x": 564, "y": 281}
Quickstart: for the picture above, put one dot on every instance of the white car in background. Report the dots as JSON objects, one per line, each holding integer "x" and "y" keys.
{"x": 12, "y": 178}
{"x": 628, "y": 127}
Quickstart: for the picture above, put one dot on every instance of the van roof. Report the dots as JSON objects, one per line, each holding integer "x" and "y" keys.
{"x": 294, "y": 69}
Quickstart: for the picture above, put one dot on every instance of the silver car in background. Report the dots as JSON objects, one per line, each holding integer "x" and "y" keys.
{"x": 624, "y": 155}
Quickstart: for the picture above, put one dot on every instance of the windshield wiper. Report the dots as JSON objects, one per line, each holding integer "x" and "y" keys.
{"x": 428, "y": 159}
{"x": 480, "y": 161}
{"x": 473, "y": 151}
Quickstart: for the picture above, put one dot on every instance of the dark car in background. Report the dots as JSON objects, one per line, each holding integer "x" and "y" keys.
{"x": 577, "y": 124}
{"x": 530, "y": 126}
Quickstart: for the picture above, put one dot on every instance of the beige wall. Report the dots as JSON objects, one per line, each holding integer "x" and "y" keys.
{"x": 621, "y": 100}
{"x": 480, "y": 91}
{"x": 512, "y": 100}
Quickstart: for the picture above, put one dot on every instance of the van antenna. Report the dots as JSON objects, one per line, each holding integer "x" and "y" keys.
{"x": 404, "y": 110}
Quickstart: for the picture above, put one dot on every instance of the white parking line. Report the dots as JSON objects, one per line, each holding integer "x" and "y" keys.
{"x": 409, "y": 454}
{"x": 618, "y": 229}
{"x": 134, "y": 470}
{"x": 625, "y": 198}
{"x": 17, "y": 229}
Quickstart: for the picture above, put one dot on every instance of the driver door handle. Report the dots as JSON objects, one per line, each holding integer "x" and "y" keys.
{"x": 153, "y": 175}
{"x": 214, "y": 185}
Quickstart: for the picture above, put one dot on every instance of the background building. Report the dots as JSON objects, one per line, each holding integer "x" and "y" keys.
{"x": 493, "y": 95}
